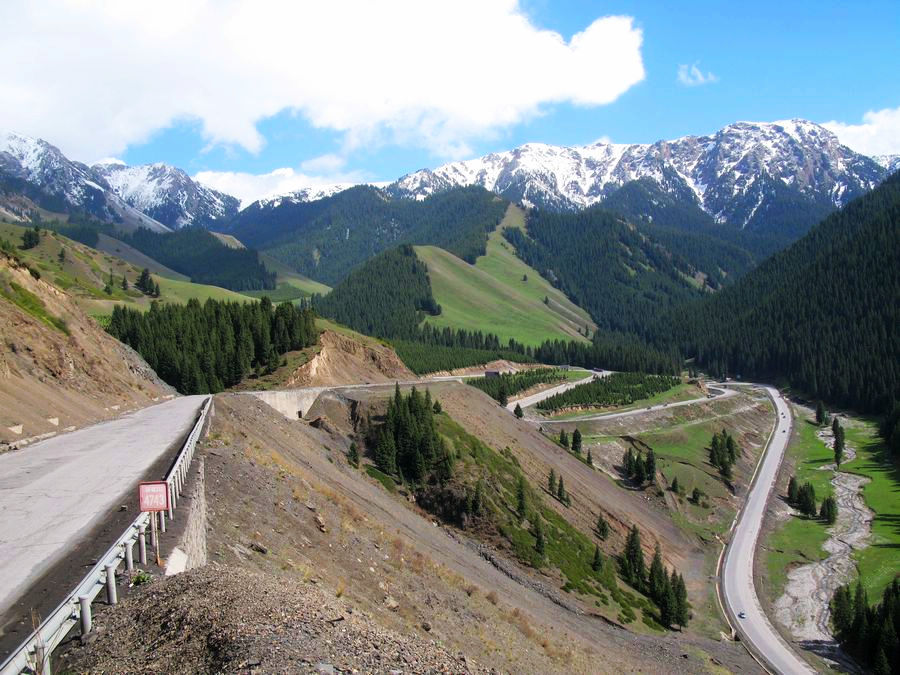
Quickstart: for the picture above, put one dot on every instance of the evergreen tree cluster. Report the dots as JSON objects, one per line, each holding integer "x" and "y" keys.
{"x": 667, "y": 590}
{"x": 31, "y": 238}
{"x": 822, "y": 314}
{"x": 723, "y": 453}
{"x": 198, "y": 254}
{"x": 407, "y": 445}
{"x": 829, "y": 510}
{"x": 387, "y": 297}
{"x": 803, "y": 497}
{"x": 614, "y": 389}
{"x": 619, "y": 275}
{"x": 870, "y": 633}
{"x": 200, "y": 349}
{"x": 501, "y": 387}
{"x": 422, "y": 358}
{"x": 640, "y": 468}
{"x": 146, "y": 285}
{"x": 890, "y": 430}
{"x": 610, "y": 351}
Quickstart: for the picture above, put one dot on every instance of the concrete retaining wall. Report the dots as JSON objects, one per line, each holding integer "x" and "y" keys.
{"x": 190, "y": 550}
{"x": 292, "y": 403}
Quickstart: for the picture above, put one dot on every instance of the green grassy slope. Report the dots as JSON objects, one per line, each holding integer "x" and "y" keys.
{"x": 491, "y": 295}
{"x": 290, "y": 285}
{"x": 85, "y": 271}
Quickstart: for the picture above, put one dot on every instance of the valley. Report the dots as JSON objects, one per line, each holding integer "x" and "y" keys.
{"x": 519, "y": 413}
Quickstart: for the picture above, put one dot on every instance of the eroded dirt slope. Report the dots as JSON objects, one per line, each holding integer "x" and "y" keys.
{"x": 58, "y": 368}
{"x": 343, "y": 360}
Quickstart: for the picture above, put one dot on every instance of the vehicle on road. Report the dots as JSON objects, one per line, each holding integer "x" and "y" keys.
{"x": 742, "y": 615}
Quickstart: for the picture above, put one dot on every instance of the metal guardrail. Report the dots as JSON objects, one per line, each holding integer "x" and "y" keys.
{"x": 33, "y": 655}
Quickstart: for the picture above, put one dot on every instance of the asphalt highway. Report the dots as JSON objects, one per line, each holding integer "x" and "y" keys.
{"x": 738, "y": 589}
{"x": 52, "y": 493}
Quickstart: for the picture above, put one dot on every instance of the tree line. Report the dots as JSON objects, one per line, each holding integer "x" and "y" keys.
{"x": 667, "y": 590}
{"x": 200, "y": 349}
{"x": 198, "y": 254}
{"x": 871, "y": 634}
{"x": 614, "y": 389}
{"x": 501, "y": 387}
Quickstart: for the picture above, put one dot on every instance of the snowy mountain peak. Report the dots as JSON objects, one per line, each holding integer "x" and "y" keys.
{"x": 734, "y": 174}
{"x": 168, "y": 194}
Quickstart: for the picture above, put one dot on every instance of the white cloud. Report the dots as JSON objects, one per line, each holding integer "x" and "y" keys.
{"x": 692, "y": 76}
{"x": 249, "y": 187}
{"x": 327, "y": 163}
{"x": 878, "y": 134}
{"x": 95, "y": 76}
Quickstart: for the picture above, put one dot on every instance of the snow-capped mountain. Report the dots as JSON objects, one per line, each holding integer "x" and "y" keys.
{"x": 34, "y": 172}
{"x": 750, "y": 175}
{"x": 309, "y": 194}
{"x": 168, "y": 194}
{"x": 889, "y": 162}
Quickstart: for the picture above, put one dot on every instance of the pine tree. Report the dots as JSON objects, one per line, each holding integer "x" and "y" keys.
{"x": 124, "y": 283}
{"x": 561, "y": 491}
{"x": 353, "y": 456}
{"x": 156, "y": 291}
{"x": 838, "y": 445}
{"x": 576, "y": 442}
{"x": 650, "y": 466}
{"x": 658, "y": 578}
{"x": 520, "y": 498}
{"x": 590, "y": 458}
{"x": 640, "y": 472}
{"x": 478, "y": 499}
{"x": 539, "y": 543}
{"x": 675, "y": 486}
{"x": 61, "y": 256}
{"x": 695, "y": 495}
{"x": 681, "y": 615}
{"x": 602, "y": 527}
{"x": 842, "y": 611}
{"x": 551, "y": 482}
{"x": 597, "y": 563}
{"x": 437, "y": 408}
{"x": 667, "y": 604}
{"x": 628, "y": 462}
{"x": 632, "y": 561}
{"x": 564, "y": 438}
{"x": 820, "y": 413}
{"x": 518, "y": 411}
{"x": 793, "y": 491}
{"x": 829, "y": 510}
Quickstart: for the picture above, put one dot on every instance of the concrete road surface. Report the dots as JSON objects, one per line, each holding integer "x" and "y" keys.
{"x": 52, "y": 493}
{"x": 738, "y": 589}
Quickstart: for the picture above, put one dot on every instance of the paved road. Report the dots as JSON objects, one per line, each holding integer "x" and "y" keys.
{"x": 738, "y": 589}
{"x": 541, "y": 395}
{"x": 52, "y": 493}
{"x": 723, "y": 393}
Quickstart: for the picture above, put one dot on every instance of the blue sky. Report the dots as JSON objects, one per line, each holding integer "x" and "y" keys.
{"x": 167, "y": 93}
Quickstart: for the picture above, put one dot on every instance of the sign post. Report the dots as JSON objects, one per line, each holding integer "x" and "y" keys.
{"x": 154, "y": 497}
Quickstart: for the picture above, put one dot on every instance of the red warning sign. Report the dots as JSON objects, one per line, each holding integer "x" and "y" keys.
{"x": 154, "y": 495}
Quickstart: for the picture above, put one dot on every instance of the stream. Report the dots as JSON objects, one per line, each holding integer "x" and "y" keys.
{"x": 804, "y": 607}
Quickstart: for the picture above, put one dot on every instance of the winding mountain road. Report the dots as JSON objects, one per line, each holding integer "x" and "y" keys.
{"x": 737, "y": 585}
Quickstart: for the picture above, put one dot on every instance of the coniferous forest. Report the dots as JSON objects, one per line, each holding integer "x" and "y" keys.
{"x": 614, "y": 389}
{"x": 200, "y": 255}
{"x": 200, "y": 349}
{"x": 823, "y": 314}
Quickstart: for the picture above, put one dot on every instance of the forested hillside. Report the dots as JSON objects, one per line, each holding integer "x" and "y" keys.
{"x": 620, "y": 276}
{"x": 327, "y": 238}
{"x": 386, "y": 297}
{"x": 822, "y": 314}
{"x": 198, "y": 254}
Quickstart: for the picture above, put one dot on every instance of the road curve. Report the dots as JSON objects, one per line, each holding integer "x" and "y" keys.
{"x": 724, "y": 393}
{"x": 736, "y": 576}
{"x": 53, "y": 492}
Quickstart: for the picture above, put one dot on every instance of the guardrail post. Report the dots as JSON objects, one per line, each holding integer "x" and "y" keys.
{"x": 129, "y": 555}
{"x": 162, "y": 521}
{"x": 84, "y": 602}
{"x": 142, "y": 544}
{"x": 112, "y": 597}
{"x": 171, "y": 503}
